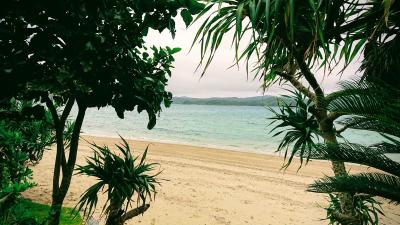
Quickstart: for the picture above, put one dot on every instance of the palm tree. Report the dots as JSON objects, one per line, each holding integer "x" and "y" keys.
{"x": 289, "y": 39}
{"x": 125, "y": 179}
{"x": 369, "y": 106}
{"x": 374, "y": 109}
{"x": 374, "y": 105}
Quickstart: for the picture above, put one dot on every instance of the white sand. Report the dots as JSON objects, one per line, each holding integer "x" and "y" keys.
{"x": 213, "y": 186}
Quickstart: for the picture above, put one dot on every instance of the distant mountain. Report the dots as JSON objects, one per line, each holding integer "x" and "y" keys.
{"x": 249, "y": 101}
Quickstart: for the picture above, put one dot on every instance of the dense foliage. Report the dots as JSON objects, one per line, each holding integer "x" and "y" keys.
{"x": 123, "y": 177}
{"x": 91, "y": 53}
{"x": 25, "y": 133}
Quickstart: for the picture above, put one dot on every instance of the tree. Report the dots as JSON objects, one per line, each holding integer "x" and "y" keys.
{"x": 126, "y": 178}
{"x": 91, "y": 54}
{"x": 290, "y": 39}
{"x": 374, "y": 105}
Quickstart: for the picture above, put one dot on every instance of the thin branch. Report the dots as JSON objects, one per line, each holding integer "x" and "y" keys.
{"x": 298, "y": 85}
{"x": 52, "y": 109}
{"x": 73, "y": 149}
{"x": 305, "y": 70}
{"x": 67, "y": 110}
{"x": 6, "y": 200}
{"x": 60, "y": 144}
{"x": 64, "y": 117}
{"x": 135, "y": 212}
{"x": 75, "y": 136}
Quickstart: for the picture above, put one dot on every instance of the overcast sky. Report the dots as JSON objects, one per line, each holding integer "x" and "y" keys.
{"x": 219, "y": 81}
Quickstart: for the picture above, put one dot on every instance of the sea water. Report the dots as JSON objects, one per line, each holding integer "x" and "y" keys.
{"x": 242, "y": 128}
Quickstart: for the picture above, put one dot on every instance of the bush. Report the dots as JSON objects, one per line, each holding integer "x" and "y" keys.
{"x": 124, "y": 178}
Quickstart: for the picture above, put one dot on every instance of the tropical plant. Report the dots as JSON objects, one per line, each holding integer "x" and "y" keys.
{"x": 289, "y": 40}
{"x": 25, "y": 133}
{"x": 372, "y": 104}
{"x": 374, "y": 109}
{"x": 298, "y": 125}
{"x": 91, "y": 54}
{"x": 368, "y": 106}
{"x": 123, "y": 177}
{"x": 367, "y": 207}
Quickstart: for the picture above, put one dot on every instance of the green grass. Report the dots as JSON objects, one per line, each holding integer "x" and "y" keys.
{"x": 28, "y": 209}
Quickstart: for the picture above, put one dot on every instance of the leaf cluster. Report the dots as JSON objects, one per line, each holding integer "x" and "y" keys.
{"x": 123, "y": 178}
{"x": 26, "y": 131}
{"x": 276, "y": 32}
{"x": 297, "y": 125}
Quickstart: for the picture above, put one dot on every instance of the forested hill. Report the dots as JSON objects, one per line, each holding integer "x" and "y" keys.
{"x": 249, "y": 101}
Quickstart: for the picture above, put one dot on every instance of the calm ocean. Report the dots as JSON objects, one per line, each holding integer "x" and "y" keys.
{"x": 243, "y": 128}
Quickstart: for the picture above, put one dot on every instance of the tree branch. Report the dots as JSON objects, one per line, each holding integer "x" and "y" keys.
{"x": 52, "y": 110}
{"x": 6, "y": 200}
{"x": 63, "y": 119}
{"x": 308, "y": 75}
{"x": 346, "y": 219}
{"x": 135, "y": 212}
{"x": 73, "y": 149}
{"x": 298, "y": 85}
{"x": 67, "y": 110}
{"x": 60, "y": 144}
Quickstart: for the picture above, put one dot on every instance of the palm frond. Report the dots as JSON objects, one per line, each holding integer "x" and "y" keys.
{"x": 375, "y": 123}
{"x": 369, "y": 106}
{"x": 356, "y": 153}
{"x": 299, "y": 127}
{"x": 376, "y": 184}
{"x": 273, "y": 30}
{"x": 388, "y": 147}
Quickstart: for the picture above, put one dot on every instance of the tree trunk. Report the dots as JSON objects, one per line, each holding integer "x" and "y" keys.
{"x": 55, "y": 210}
{"x": 347, "y": 216}
{"x": 114, "y": 216}
{"x": 60, "y": 191}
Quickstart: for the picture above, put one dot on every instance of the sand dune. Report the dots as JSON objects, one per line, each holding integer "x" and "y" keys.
{"x": 213, "y": 186}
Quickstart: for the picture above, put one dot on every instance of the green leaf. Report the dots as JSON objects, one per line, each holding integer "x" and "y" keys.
{"x": 187, "y": 17}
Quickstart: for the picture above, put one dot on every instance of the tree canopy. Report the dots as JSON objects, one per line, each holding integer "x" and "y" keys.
{"x": 87, "y": 52}
{"x": 91, "y": 51}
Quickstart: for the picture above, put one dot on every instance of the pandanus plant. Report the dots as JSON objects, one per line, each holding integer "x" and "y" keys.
{"x": 289, "y": 40}
{"x": 370, "y": 107}
{"x": 124, "y": 178}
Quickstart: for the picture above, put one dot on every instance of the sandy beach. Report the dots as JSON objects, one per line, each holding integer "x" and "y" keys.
{"x": 205, "y": 186}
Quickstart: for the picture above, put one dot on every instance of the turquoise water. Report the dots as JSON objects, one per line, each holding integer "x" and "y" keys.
{"x": 241, "y": 128}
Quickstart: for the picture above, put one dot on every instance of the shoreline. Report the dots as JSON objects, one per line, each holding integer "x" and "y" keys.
{"x": 211, "y": 186}
{"x": 200, "y": 145}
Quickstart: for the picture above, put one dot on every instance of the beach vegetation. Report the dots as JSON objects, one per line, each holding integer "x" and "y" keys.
{"x": 373, "y": 108}
{"x": 369, "y": 107}
{"x": 370, "y": 104}
{"x": 367, "y": 207}
{"x": 126, "y": 179}
{"x": 27, "y": 212}
{"x": 25, "y": 133}
{"x": 288, "y": 41}
{"x": 88, "y": 54}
